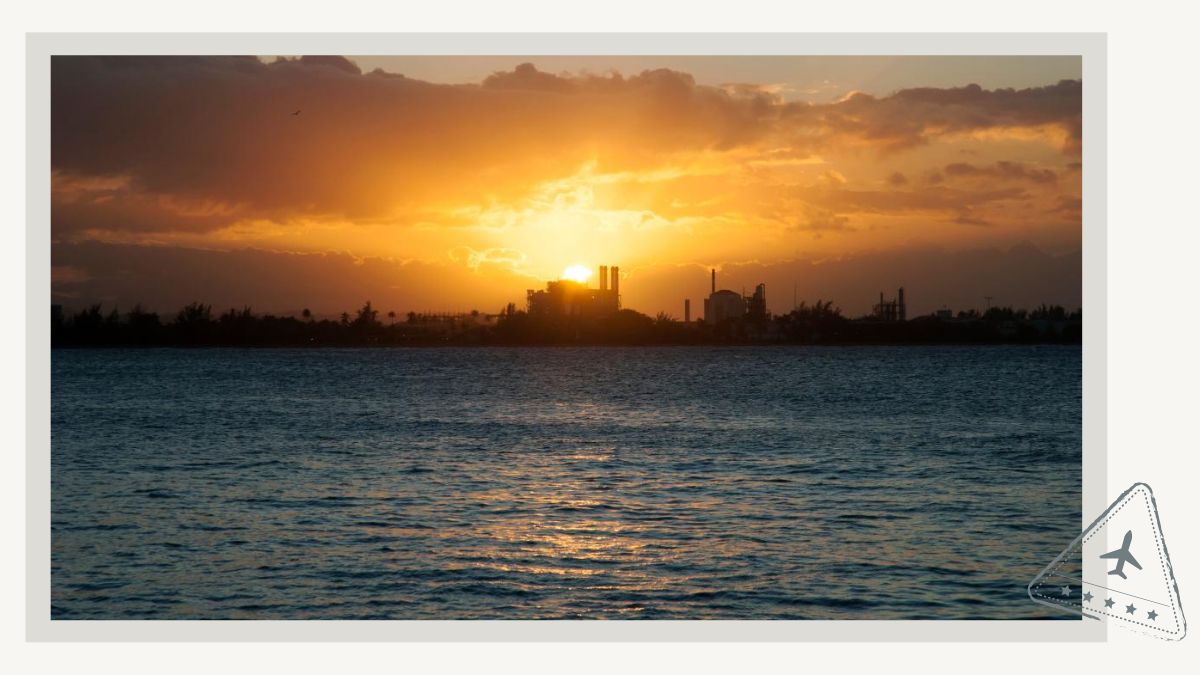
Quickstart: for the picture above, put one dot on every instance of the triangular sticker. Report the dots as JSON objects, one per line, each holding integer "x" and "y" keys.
{"x": 1118, "y": 570}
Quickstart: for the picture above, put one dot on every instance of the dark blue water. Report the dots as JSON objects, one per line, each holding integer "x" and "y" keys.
{"x": 673, "y": 483}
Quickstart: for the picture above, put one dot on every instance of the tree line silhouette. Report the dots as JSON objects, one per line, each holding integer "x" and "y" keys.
{"x": 821, "y": 323}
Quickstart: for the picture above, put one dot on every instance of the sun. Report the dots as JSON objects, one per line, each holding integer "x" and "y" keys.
{"x": 577, "y": 273}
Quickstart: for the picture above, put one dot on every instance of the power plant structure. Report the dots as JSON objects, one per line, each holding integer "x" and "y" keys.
{"x": 725, "y": 304}
{"x": 756, "y": 305}
{"x": 569, "y": 298}
{"x": 891, "y": 310}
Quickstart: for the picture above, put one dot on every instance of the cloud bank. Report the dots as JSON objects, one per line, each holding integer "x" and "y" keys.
{"x": 530, "y": 170}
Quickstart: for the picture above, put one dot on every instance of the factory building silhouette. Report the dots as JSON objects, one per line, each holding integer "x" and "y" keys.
{"x": 891, "y": 310}
{"x": 575, "y": 299}
{"x": 725, "y": 305}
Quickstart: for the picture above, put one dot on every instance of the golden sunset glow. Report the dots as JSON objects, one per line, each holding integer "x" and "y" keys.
{"x": 458, "y": 183}
{"x": 578, "y": 273}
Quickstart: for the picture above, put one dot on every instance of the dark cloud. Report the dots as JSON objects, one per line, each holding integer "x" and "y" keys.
{"x": 221, "y": 128}
{"x": 78, "y": 208}
{"x": 216, "y": 134}
{"x": 910, "y": 117}
{"x": 1001, "y": 170}
{"x": 1070, "y": 206}
{"x": 339, "y": 62}
{"x": 819, "y": 221}
{"x": 527, "y": 77}
{"x": 967, "y": 218}
{"x": 899, "y": 201}
{"x": 764, "y": 92}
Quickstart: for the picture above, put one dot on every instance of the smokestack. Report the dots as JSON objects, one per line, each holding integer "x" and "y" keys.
{"x": 714, "y": 280}
{"x": 604, "y": 277}
{"x": 616, "y": 283}
{"x": 687, "y": 310}
{"x": 902, "y": 308}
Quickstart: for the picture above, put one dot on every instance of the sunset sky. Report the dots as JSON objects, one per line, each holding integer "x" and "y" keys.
{"x": 453, "y": 183}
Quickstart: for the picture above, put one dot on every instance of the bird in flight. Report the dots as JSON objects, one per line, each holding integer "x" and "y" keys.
{"x": 295, "y": 113}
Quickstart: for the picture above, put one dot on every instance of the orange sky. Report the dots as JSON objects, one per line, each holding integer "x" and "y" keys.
{"x": 453, "y": 183}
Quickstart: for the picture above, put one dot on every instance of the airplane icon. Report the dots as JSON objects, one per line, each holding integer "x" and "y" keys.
{"x": 1122, "y": 556}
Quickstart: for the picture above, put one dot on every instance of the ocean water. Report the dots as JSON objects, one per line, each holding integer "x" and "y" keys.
{"x": 530, "y": 483}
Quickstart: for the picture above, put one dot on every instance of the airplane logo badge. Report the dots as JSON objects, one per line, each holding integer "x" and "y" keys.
{"x": 1122, "y": 556}
{"x": 1098, "y": 579}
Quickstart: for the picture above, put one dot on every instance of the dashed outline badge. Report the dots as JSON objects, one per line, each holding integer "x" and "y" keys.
{"x": 1118, "y": 570}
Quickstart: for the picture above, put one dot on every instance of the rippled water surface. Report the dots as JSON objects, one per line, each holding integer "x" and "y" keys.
{"x": 674, "y": 483}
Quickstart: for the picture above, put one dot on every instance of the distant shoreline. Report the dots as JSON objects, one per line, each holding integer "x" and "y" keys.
{"x": 476, "y": 345}
{"x": 820, "y": 324}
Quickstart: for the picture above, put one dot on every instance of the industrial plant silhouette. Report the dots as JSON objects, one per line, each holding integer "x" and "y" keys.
{"x": 572, "y": 312}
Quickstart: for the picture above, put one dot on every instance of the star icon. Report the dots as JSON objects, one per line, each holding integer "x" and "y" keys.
{"x": 1066, "y": 590}
{"x": 1108, "y": 602}
{"x": 1130, "y": 609}
{"x": 1152, "y": 615}
{"x": 1087, "y": 597}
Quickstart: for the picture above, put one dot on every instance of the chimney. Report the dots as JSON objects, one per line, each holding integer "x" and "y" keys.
{"x": 714, "y": 280}
{"x": 902, "y": 308}
{"x": 687, "y": 310}
{"x": 604, "y": 277}
{"x": 616, "y": 283}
